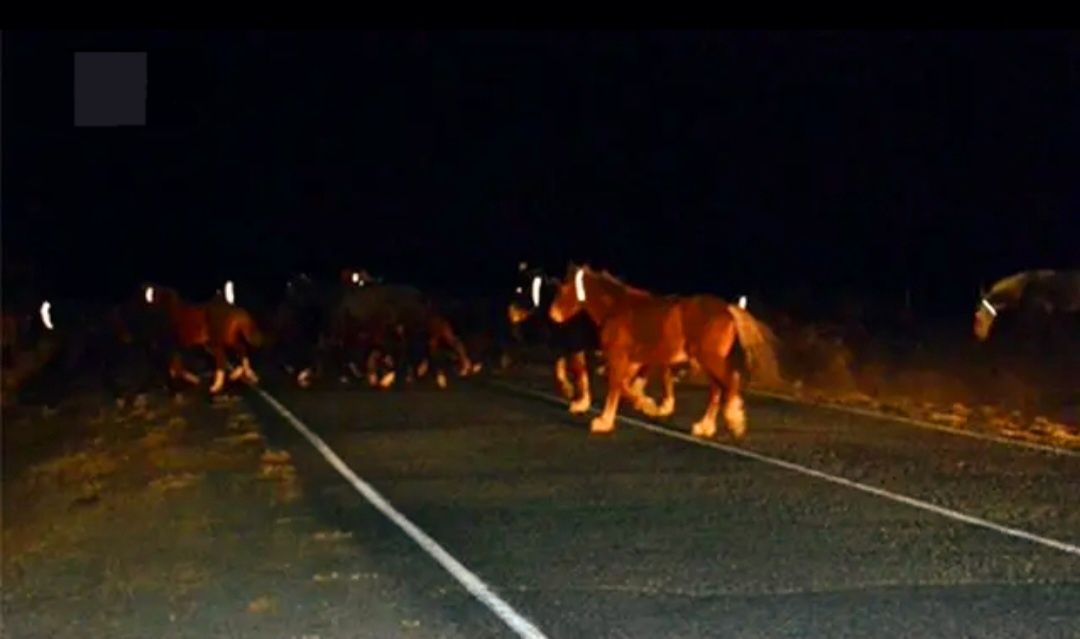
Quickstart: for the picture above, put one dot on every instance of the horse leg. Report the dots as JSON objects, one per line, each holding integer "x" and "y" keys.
{"x": 372, "y": 367}
{"x": 734, "y": 411}
{"x": 561, "y": 380}
{"x": 634, "y": 388}
{"x": 706, "y": 426}
{"x": 619, "y": 370}
{"x": 436, "y": 362}
{"x": 176, "y": 369}
{"x": 249, "y": 372}
{"x": 579, "y": 367}
{"x": 245, "y": 365}
{"x": 723, "y": 378}
{"x": 396, "y": 358}
{"x": 667, "y": 404}
{"x": 219, "y": 369}
{"x": 444, "y": 333}
{"x": 238, "y": 371}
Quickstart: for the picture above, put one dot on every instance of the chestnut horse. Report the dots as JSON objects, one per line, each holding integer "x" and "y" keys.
{"x": 217, "y": 326}
{"x": 571, "y": 340}
{"x": 639, "y": 329}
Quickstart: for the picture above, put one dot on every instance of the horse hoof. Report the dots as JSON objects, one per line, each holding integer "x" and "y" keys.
{"x": 580, "y": 406}
{"x": 735, "y": 416}
{"x": 600, "y": 425}
{"x": 703, "y": 428}
{"x": 649, "y": 407}
{"x": 387, "y": 380}
{"x": 440, "y": 379}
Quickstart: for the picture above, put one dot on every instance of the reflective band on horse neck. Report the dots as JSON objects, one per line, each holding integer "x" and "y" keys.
{"x": 46, "y": 315}
{"x": 989, "y": 307}
{"x": 536, "y": 291}
{"x": 579, "y": 284}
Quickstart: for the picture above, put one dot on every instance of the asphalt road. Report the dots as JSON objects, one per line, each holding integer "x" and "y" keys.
{"x": 641, "y": 535}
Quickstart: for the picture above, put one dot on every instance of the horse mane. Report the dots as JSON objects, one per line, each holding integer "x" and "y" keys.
{"x": 1011, "y": 288}
{"x": 610, "y": 279}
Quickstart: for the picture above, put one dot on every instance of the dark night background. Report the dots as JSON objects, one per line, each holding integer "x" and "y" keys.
{"x": 854, "y": 163}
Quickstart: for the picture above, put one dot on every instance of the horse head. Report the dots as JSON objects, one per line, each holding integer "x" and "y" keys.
{"x": 298, "y": 286}
{"x": 985, "y": 314}
{"x": 528, "y": 295}
{"x": 357, "y": 277}
{"x": 157, "y": 296}
{"x": 571, "y": 294}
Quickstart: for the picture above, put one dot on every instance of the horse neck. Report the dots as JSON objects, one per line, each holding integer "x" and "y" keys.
{"x": 549, "y": 292}
{"x": 1010, "y": 294}
{"x": 173, "y": 304}
{"x": 605, "y": 297}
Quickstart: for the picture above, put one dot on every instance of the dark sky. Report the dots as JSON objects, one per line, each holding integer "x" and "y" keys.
{"x": 831, "y": 161}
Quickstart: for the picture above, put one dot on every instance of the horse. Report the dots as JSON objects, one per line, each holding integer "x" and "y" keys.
{"x": 300, "y": 326}
{"x": 216, "y": 326}
{"x": 1045, "y": 290}
{"x": 639, "y": 329}
{"x": 397, "y": 319}
{"x": 29, "y": 343}
{"x": 78, "y": 342}
{"x": 571, "y": 340}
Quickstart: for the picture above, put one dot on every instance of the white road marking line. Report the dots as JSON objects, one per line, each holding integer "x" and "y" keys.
{"x": 835, "y": 479}
{"x": 518, "y": 623}
{"x": 1046, "y": 448}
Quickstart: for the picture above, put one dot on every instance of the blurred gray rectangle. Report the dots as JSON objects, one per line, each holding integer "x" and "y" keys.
{"x": 110, "y": 88}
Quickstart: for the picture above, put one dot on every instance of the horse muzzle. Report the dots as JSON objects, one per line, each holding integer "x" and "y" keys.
{"x": 516, "y": 314}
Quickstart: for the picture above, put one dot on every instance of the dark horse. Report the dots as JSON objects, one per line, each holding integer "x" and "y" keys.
{"x": 84, "y": 341}
{"x": 398, "y": 320}
{"x": 363, "y": 317}
{"x": 1044, "y": 290}
{"x": 639, "y": 329}
{"x": 571, "y": 340}
{"x": 300, "y": 324}
{"x": 216, "y": 326}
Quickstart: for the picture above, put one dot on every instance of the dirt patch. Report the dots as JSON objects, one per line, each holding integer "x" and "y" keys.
{"x": 174, "y": 519}
{"x": 1023, "y": 393}
{"x": 938, "y": 377}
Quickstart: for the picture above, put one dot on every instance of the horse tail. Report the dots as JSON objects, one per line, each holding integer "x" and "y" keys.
{"x": 759, "y": 343}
